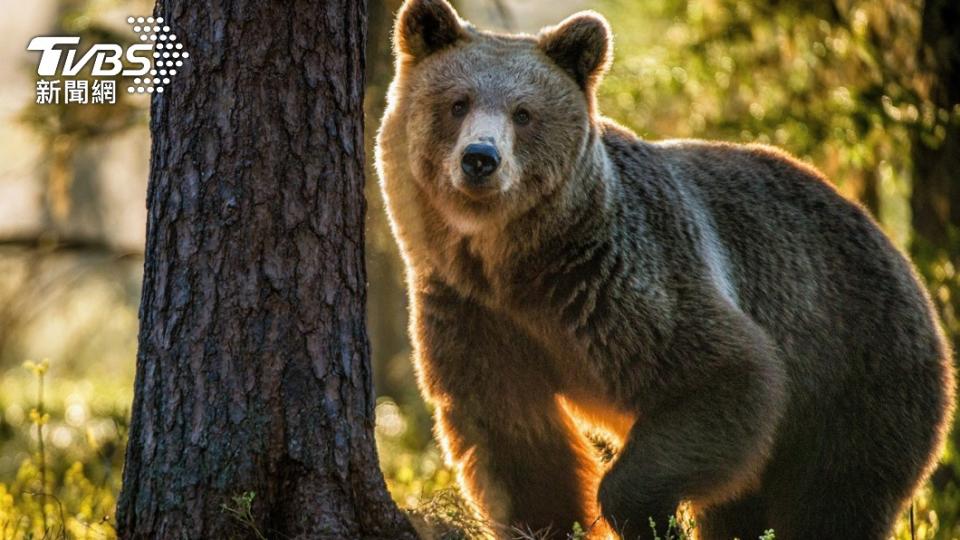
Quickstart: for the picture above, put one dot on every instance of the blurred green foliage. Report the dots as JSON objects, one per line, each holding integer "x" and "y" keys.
{"x": 809, "y": 77}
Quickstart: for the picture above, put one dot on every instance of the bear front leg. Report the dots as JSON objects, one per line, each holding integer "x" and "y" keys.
{"x": 523, "y": 464}
{"x": 517, "y": 454}
{"x": 707, "y": 436}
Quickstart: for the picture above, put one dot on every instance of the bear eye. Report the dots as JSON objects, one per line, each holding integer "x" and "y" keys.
{"x": 459, "y": 108}
{"x": 521, "y": 117}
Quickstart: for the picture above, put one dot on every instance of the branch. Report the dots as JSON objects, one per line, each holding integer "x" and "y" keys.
{"x": 53, "y": 243}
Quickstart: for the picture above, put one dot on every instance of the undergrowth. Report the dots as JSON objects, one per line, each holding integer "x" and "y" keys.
{"x": 68, "y": 450}
{"x": 50, "y": 498}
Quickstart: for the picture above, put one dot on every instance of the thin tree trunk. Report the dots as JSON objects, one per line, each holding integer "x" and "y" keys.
{"x": 387, "y": 317}
{"x": 870, "y": 191}
{"x": 253, "y": 372}
{"x": 935, "y": 200}
{"x": 936, "y": 150}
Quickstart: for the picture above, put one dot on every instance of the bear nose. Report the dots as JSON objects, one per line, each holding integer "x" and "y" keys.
{"x": 479, "y": 160}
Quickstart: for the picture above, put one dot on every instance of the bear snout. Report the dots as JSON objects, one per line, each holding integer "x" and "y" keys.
{"x": 479, "y": 161}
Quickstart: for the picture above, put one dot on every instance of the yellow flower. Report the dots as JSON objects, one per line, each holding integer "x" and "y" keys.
{"x": 38, "y": 368}
{"x": 37, "y": 418}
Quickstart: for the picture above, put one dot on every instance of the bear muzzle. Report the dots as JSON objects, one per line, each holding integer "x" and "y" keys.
{"x": 479, "y": 161}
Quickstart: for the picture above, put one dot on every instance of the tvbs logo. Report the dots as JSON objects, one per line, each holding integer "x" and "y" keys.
{"x": 106, "y": 58}
{"x": 150, "y": 64}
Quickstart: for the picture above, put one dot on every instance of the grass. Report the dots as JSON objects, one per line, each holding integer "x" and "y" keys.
{"x": 50, "y": 497}
{"x": 242, "y": 511}
{"x": 447, "y": 516}
{"x": 62, "y": 450}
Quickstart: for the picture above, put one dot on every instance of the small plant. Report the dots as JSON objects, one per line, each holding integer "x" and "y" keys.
{"x": 682, "y": 529}
{"x": 242, "y": 511}
{"x": 39, "y": 418}
{"x": 768, "y": 535}
{"x": 50, "y": 497}
{"x": 446, "y": 515}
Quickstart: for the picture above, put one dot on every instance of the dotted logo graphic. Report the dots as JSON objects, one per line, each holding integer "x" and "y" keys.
{"x": 168, "y": 55}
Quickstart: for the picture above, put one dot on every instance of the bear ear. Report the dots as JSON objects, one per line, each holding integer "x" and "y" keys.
{"x": 424, "y": 27}
{"x": 581, "y": 45}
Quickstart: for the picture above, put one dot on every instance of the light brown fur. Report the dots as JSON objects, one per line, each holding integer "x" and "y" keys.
{"x": 752, "y": 341}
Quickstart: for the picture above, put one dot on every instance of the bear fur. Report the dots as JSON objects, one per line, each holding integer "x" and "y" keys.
{"x": 752, "y": 343}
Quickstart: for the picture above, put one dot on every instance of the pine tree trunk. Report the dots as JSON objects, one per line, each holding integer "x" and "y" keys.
{"x": 253, "y": 372}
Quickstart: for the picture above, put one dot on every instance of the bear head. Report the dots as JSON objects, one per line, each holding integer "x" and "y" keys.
{"x": 493, "y": 123}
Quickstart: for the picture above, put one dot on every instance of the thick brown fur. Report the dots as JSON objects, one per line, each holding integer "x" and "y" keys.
{"x": 752, "y": 341}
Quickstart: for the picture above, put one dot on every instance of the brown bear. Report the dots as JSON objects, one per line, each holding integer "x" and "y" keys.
{"x": 752, "y": 342}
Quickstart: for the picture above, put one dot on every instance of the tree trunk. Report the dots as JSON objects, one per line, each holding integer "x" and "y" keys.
{"x": 387, "y": 317}
{"x": 253, "y": 372}
{"x": 935, "y": 200}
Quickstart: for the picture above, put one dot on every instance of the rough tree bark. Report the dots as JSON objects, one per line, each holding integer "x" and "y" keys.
{"x": 253, "y": 372}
